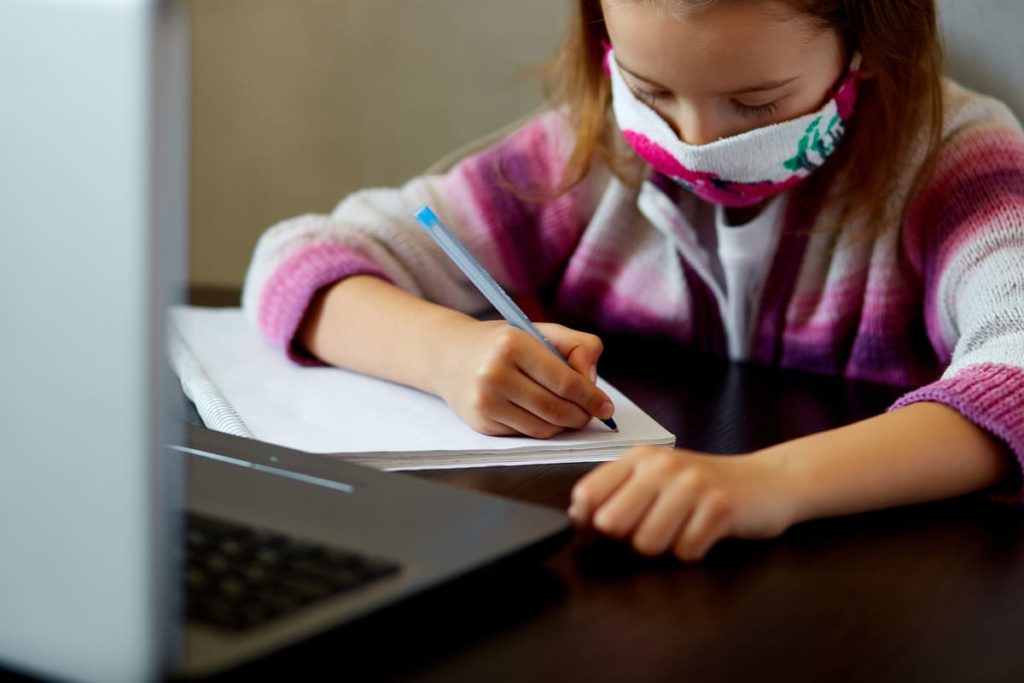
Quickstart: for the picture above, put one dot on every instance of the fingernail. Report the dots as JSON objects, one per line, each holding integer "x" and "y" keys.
{"x": 593, "y": 373}
{"x": 605, "y": 411}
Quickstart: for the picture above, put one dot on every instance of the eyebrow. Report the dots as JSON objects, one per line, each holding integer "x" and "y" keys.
{"x": 760, "y": 87}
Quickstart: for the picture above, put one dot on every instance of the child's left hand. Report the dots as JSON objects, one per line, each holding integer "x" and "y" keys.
{"x": 664, "y": 499}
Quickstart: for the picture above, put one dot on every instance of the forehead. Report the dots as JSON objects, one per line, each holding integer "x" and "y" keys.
{"x": 730, "y": 41}
{"x": 778, "y": 9}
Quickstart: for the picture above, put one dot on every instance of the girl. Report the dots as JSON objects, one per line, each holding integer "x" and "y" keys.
{"x": 782, "y": 181}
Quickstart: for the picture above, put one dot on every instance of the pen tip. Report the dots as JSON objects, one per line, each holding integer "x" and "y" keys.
{"x": 611, "y": 424}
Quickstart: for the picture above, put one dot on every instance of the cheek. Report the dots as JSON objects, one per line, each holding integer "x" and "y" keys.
{"x": 819, "y": 89}
{"x": 808, "y": 101}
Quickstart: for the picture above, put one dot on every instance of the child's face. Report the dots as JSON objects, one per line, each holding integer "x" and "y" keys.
{"x": 732, "y": 67}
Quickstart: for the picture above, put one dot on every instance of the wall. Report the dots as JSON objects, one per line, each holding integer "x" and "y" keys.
{"x": 984, "y": 48}
{"x": 298, "y": 102}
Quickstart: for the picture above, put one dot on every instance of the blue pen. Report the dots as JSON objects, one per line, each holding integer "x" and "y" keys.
{"x": 479, "y": 276}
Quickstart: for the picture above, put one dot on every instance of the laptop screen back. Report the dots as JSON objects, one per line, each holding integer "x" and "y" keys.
{"x": 92, "y": 133}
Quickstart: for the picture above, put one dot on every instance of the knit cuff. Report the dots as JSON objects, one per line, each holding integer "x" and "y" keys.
{"x": 992, "y": 397}
{"x": 289, "y": 291}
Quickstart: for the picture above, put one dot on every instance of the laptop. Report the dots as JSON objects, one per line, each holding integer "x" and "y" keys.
{"x": 136, "y": 548}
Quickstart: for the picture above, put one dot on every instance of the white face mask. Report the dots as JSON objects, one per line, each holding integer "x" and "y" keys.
{"x": 741, "y": 170}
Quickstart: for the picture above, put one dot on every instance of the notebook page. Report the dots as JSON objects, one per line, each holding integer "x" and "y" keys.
{"x": 334, "y": 411}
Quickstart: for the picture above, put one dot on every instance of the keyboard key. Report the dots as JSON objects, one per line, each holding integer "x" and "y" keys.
{"x": 238, "y": 578}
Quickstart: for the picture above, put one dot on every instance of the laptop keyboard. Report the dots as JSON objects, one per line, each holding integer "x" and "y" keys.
{"x": 238, "y": 577}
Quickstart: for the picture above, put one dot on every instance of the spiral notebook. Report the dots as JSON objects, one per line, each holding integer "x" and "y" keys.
{"x": 242, "y": 386}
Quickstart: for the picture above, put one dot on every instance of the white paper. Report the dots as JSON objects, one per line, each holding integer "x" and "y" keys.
{"x": 243, "y": 386}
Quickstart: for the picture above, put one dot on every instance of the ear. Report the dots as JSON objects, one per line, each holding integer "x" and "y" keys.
{"x": 863, "y": 67}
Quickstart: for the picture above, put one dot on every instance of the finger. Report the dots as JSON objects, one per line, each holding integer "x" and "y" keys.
{"x": 552, "y": 409}
{"x": 490, "y": 427}
{"x": 666, "y": 519}
{"x": 708, "y": 524}
{"x": 553, "y": 374}
{"x": 596, "y": 487}
{"x": 524, "y": 422}
{"x": 580, "y": 349}
{"x": 626, "y": 507}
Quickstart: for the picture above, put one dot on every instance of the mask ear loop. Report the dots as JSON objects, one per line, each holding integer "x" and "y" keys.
{"x": 852, "y": 73}
{"x": 845, "y": 92}
{"x": 855, "y": 63}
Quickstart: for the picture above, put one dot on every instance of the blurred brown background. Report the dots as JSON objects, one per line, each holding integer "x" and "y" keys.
{"x": 298, "y": 102}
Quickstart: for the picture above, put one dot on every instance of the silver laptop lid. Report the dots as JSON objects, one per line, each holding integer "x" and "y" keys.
{"x": 92, "y": 133}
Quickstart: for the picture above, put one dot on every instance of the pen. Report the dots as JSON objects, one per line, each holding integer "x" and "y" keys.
{"x": 479, "y": 276}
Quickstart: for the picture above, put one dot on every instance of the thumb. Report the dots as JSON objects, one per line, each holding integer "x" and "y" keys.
{"x": 580, "y": 349}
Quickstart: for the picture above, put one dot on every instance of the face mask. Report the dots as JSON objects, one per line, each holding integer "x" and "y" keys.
{"x": 741, "y": 170}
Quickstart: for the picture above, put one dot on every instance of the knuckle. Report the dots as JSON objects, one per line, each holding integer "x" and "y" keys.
{"x": 490, "y": 375}
{"x": 530, "y": 431}
{"x": 548, "y": 431}
{"x": 533, "y": 430}
{"x": 548, "y": 407}
{"x": 560, "y": 413}
{"x": 720, "y": 506}
{"x": 577, "y": 419}
{"x": 566, "y": 384}
{"x": 506, "y": 343}
{"x": 692, "y": 478}
{"x": 681, "y": 486}
{"x": 661, "y": 462}
{"x": 664, "y": 457}
{"x": 485, "y": 427}
{"x": 482, "y": 402}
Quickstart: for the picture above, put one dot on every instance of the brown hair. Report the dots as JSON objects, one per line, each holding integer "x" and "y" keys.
{"x": 899, "y": 43}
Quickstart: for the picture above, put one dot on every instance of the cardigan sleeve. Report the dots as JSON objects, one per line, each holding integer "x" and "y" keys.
{"x": 501, "y": 203}
{"x": 968, "y": 230}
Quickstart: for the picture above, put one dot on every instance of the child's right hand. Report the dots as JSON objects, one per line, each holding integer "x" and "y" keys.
{"x": 502, "y": 381}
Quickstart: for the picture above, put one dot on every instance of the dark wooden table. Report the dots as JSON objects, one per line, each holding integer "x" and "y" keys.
{"x": 927, "y": 593}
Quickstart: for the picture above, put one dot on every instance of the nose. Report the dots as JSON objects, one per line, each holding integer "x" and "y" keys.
{"x": 695, "y": 127}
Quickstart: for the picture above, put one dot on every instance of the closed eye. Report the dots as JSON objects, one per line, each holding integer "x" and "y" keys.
{"x": 759, "y": 111}
{"x": 649, "y": 97}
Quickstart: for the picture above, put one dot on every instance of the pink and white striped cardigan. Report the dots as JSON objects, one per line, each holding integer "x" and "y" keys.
{"x": 934, "y": 302}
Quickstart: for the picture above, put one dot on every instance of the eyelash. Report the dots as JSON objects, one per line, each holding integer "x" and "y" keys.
{"x": 757, "y": 112}
{"x": 648, "y": 97}
{"x": 760, "y": 111}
